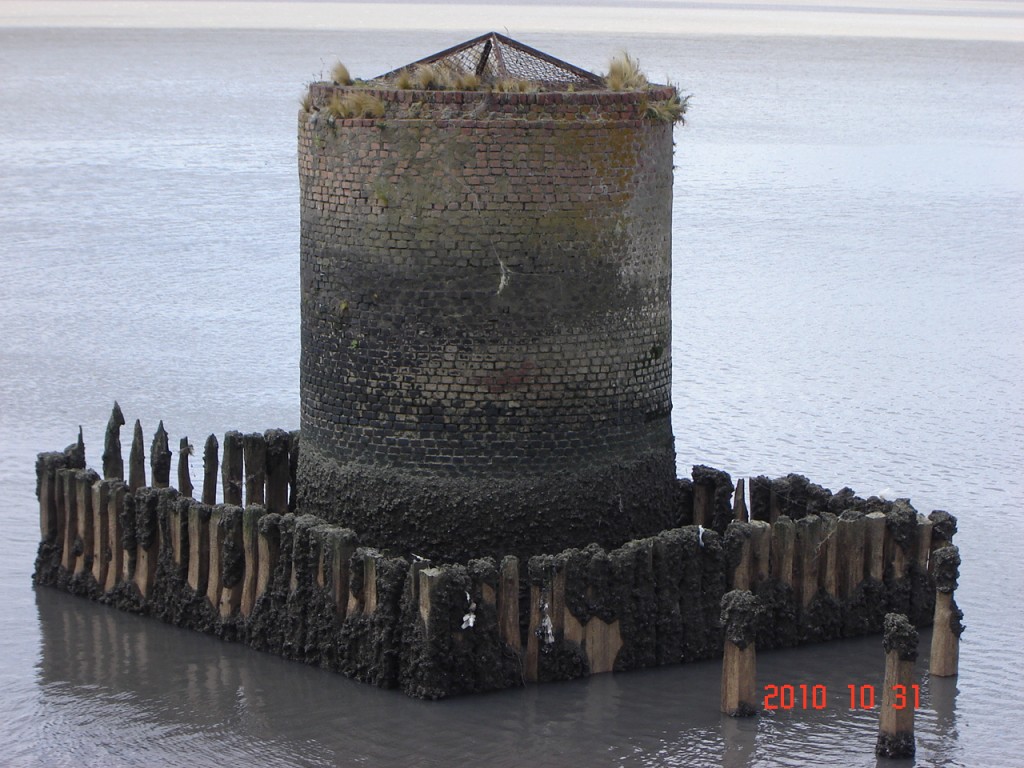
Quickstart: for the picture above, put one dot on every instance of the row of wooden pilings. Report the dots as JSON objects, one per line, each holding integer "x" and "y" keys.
{"x": 739, "y": 693}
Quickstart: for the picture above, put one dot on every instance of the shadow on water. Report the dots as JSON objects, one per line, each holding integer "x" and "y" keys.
{"x": 138, "y": 690}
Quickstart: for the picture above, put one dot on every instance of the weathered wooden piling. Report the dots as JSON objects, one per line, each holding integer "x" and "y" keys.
{"x": 185, "y": 487}
{"x": 508, "y": 603}
{"x": 874, "y": 545}
{"x": 115, "y": 537}
{"x": 113, "y": 464}
{"x": 254, "y": 448}
{"x": 899, "y": 693}
{"x": 211, "y": 464}
{"x": 198, "y": 547}
{"x": 213, "y": 573}
{"x": 739, "y": 502}
{"x": 231, "y": 469}
{"x": 761, "y": 549}
{"x": 137, "y": 460}
{"x": 850, "y": 534}
{"x": 251, "y": 550}
{"x": 829, "y": 554}
{"x": 808, "y": 547}
{"x": 269, "y": 549}
{"x": 231, "y": 560}
{"x": 278, "y": 473}
{"x": 946, "y": 629}
{"x": 343, "y": 544}
{"x": 83, "y": 503}
{"x": 740, "y": 611}
{"x": 160, "y": 458}
{"x": 101, "y": 531}
{"x": 47, "y": 465}
{"x": 783, "y": 550}
{"x": 69, "y": 483}
{"x": 738, "y": 544}
{"x": 147, "y": 540}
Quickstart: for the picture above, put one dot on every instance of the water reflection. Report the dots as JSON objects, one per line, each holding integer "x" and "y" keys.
{"x": 149, "y": 684}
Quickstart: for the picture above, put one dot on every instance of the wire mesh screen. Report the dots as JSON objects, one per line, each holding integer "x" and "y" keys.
{"x": 493, "y": 58}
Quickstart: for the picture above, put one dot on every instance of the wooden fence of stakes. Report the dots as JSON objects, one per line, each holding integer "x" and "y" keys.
{"x": 740, "y": 610}
{"x": 899, "y": 695}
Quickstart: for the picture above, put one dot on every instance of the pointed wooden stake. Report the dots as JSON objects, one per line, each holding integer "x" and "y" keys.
{"x": 137, "y": 461}
{"x": 184, "y": 480}
{"x": 113, "y": 464}
{"x": 160, "y": 458}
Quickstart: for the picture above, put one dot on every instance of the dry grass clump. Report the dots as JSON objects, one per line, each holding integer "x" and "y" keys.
{"x": 340, "y": 75}
{"x": 464, "y": 81}
{"x": 354, "y": 105}
{"x": 427, "y": 78}
{"x": 513, "y": 85}
{"x": 624, "y": 74}
{"x": 670, "y": 110}
{"x": 404, "y": 80}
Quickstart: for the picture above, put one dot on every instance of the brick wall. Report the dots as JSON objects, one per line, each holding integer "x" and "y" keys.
{"x": 485, "y": 307}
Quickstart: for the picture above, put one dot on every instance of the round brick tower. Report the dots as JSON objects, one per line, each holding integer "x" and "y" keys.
{"x": 486, "y": 327}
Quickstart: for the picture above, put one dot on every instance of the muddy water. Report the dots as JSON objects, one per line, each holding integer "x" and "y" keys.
{"x": 848, "y": 265}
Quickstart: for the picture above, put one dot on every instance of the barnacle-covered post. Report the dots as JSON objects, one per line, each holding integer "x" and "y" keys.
{"x": 740, "y": 610}
{"x": 899, "y": 694}
{"x": 486, "y": 326}
{"x": 947, "y": 627}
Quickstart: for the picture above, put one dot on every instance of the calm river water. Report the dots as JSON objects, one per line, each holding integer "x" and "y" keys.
{"x": 849, "y": 266}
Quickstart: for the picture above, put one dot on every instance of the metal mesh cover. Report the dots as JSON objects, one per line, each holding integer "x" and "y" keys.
{"x": 493, "y": 57}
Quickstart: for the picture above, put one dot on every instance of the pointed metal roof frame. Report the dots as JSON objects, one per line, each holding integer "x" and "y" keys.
{"x": 494, "y": 56}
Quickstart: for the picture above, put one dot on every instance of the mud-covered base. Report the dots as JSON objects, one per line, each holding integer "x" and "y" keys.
{"x": 453, "y": 519}
{"x": 897, "y": 745}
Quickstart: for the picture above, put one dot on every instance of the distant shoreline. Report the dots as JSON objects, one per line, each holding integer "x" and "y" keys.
{"x": 914, "y": 19}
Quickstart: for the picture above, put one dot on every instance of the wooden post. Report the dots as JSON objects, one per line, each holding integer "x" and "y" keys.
{"x": 46, "y": 475}
{"x": 83, "y": 503}
{"x": 177, "y": 524}
{"x": 761, "y": 548}
{"x": 783, "y": 550}
{"x": 231, "y": 469}
{"x": 874, "y": 545}
{"x": 899, "y": 693}
{"x": 343, "y": 545}
{"x": 508, "y": 603}
{"x": 213, "y": 577}
{"x": 737, "y": 537}
{"x": 160, "y": 458}
{"x": 185, "y": 487}
{"x": 137, "y": 460}
{"x": 115, "y": 540}
{"x": 739, "y": 502}
{"x": 251, "y": 549}
{"x": 808, "y": 544}
{"x": 113, "y": 464}
{"x": 943, "y": 530}
{"x": 829, "y": 554}
{"x": 254, "y": 447}
{"x": 198, "y": 547}
{"x": 739, "y": 663}
{"x": 850, "y": 534}
{"x": 703, "y": 503}
{"x": 532, "y": 661}
{"x": 946, "y": 629}
{"x": 147, "y": 540}
{"x": 924, "y": 542}
{"x": 69, "y": 482}
{"x": 232, "y": 567}
{"x": 210, "y": 467}
{"x": 429, "y": 579}
{"x": 269, "y": 545}
{"x": 101, "y": 531}
{"x": 278, "y": 446}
